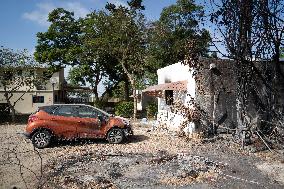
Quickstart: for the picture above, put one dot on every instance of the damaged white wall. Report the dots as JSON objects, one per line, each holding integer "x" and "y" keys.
{"x": 173, "y": 73}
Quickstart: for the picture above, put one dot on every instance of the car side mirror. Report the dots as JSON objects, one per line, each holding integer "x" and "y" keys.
{"x": 101, "y": 118}
{"x": 99, "y": 123}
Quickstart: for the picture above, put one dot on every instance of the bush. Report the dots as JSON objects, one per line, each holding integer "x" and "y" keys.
{"x": 124, "y": 109}
{"x": 152, "y": 109}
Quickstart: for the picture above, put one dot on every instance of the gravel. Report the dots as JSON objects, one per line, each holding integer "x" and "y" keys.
{"x": 151, "y": 159}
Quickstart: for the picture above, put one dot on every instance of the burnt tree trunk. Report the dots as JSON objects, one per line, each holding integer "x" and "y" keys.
{"x": 243, "y": 56}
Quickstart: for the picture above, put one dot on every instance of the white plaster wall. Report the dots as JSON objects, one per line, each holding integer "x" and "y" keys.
{"x": 173, "y": 73}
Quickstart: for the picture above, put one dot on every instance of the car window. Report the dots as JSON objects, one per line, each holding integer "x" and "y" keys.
{"x": 87, "y": 112}
{"x": 69, "y": 111}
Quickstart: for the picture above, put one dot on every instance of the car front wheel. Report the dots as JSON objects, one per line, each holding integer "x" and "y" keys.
{"x": 41, "y": 139}
{"x": 115, "y": 136}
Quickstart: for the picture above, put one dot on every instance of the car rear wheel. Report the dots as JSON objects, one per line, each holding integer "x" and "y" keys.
{"x": 41, "y": 139}
{"x": 115, "y": 136}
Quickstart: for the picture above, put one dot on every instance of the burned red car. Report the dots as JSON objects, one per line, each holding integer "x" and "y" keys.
{"x": 75, "y": 121}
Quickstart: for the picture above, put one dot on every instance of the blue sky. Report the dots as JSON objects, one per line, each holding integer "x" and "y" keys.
{"x": 20, "y": 20}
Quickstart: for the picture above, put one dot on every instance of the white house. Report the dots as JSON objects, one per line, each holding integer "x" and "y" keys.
{"x": 175, "y": 82}
{"x": 214, "y": 90}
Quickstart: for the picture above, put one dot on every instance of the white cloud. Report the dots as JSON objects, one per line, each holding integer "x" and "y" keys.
{"x": 118, "y": 2}
{"x": 40, "y": 14}
{"x": 77, "y": 8}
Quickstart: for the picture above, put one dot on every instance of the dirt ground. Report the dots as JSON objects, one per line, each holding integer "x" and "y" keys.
{"x": 151, "y": 159}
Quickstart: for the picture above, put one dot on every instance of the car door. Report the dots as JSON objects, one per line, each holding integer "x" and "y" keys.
{"x": 89, "y": 124}
{"x": 66, "y": 121}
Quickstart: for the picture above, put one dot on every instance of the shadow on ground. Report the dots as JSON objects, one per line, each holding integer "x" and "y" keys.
{"x": 138, "y": 138}
{"x": 20, "y": 119}
{"x": 80, "y": 142}
{"x": 77, "y": 142}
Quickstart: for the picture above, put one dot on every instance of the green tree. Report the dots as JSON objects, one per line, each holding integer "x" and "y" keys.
{"x": 79, "y": 43}
{"x": 73, "y": 42}
{"x": 60, "y": 44}
{"x": 170, "y": 35}
{"x": 125, "y": 38}
{"x": 13, "y": 64}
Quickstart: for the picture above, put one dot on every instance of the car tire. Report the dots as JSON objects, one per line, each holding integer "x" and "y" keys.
{"x": 115, "y": 136}
{"x": 41, "y": 139}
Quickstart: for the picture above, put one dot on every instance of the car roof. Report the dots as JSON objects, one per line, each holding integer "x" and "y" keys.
{"x": 77, "y": 105}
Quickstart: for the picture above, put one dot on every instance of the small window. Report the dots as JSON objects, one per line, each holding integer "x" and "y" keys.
{"x": 38, "y": 99}
{"x": 169, "y": 96}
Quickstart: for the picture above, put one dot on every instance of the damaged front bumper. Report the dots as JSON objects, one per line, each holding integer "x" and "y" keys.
{"x": 128, "y": 132}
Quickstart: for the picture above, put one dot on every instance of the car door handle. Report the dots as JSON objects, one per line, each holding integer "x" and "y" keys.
{"x": 79, "y": 121}
{"x": 52, "y": 119}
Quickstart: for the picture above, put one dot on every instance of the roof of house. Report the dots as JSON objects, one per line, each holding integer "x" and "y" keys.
{"x": 175, "y": 86}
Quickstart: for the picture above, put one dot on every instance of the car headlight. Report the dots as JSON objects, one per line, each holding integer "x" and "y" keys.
{"x": 125, "y": 122}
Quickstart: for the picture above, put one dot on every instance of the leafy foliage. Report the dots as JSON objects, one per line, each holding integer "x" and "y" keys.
{"x": 60, "y": 44}
{"x": 169, "y": 36}
{"x": 17, "y": 73}
{"x": 124, "y": 109}
{"x": 127, "y": 39}
{"x": 152, "y": 110}
{"x": 114, "y": 43}
{"x": 77, "y": 42}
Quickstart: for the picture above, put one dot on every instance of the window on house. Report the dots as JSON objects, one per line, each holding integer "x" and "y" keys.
{"x": 169, "y": 96}
{"x": 38, "y": 99}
